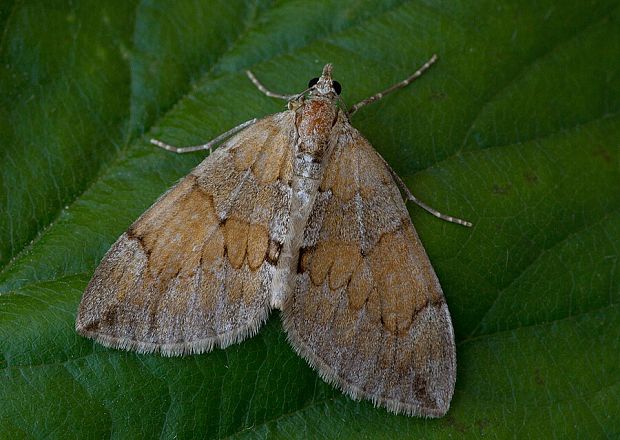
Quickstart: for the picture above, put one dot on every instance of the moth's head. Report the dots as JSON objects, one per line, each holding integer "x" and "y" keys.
{"x": 325, "y": 85}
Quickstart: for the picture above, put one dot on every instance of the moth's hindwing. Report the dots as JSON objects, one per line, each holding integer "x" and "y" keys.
{"x": 367, "y": 310}
{"x": 195, "y": 269}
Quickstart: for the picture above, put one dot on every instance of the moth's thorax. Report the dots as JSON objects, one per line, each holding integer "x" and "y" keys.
{"x": 314, "y": 120}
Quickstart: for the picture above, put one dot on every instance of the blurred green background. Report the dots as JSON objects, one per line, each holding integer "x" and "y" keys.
{"x": 517, "y": 128}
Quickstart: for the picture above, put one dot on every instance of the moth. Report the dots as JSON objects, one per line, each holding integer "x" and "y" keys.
{"x": 295, "y": 211}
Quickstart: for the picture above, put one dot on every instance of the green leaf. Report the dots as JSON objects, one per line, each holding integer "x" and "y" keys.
{"x": 516, "y": 129}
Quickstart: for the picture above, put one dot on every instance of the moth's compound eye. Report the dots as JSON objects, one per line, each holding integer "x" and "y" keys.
{"x": 337, "y": 87}
{"x": 312, "y": 82}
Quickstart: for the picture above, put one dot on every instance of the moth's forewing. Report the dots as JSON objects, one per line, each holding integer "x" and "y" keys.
{"x": 367, "y": 310}
{"x": 195, "y": 270}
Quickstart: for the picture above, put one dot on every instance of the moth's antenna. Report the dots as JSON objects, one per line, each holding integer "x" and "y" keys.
{"x": 265, "y": 90}
{"x": 209, "y": 145}
{"x": 396, "y": 86}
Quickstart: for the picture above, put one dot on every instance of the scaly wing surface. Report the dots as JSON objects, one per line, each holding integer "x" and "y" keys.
{"x": 195, "y": 270}
{"x": 367, "y": 309}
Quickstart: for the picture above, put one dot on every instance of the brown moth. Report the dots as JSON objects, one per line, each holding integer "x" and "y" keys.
{"x": 295, "y": 211}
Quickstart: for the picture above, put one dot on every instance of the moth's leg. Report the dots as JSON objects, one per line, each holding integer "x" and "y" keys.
{"x": 420, "y": 203}
{"x": 209, "y": 145}
{"x": 265, "y": 90}
{"x": 397, "y": 86}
